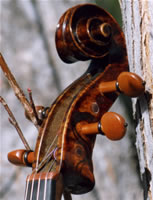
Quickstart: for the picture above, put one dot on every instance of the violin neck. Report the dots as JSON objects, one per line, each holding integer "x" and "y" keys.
{"x": 40, "y": 187}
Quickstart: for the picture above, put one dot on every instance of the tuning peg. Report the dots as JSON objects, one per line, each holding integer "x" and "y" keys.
{"x": 21, "y": 157}
{"x": 127, "y": 82}
{"x": 112, "y": 125}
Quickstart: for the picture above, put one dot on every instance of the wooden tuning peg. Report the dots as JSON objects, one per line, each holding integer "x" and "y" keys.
{"x": 21, "y": 157}
{"x": 112, "y": 125}
{"x": 127, "y": 82}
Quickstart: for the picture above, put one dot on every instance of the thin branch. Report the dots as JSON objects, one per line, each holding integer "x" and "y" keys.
{"x": 17, "y": 90}
{"x": 13, "y": 121}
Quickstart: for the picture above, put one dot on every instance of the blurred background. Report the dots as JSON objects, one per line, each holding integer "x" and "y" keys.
{"x": 27, "y": 34}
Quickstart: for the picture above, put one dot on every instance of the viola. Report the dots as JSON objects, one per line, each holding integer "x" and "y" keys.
{"x": 62, "y": 159}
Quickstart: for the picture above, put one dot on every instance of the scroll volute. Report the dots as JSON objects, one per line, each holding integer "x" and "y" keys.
{"x": 84, "y": 32}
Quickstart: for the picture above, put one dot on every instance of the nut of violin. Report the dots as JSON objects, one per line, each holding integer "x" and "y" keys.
{"x": 113, "y": 125}
{"x": 131, "y": 84}
{"x": 21, "y": 157}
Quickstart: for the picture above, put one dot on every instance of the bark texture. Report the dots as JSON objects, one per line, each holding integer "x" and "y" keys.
{"x": 138, "y": 28}
{"x": 28, "y": 32}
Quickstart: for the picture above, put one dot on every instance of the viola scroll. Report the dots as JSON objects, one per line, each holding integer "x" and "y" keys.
{"x": 67, "y": 129}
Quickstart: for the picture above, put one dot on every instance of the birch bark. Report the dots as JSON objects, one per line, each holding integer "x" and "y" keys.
{"x": 138, "y": 28}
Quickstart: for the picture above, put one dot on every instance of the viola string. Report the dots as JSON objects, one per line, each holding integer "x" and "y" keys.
{"x": 48, "y": 151}
{"x": 52, "y": 164}
{"x": 38, "y": 189}
{"x": 45, "y": 187}
{"x": 27, "y": 186}
{"x": 33, "y": 179}
{"x": 41, "y": 165}
{"x": 47, "y": 155}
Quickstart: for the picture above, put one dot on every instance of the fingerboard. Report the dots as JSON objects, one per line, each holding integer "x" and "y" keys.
{"x": 40, "y": 187}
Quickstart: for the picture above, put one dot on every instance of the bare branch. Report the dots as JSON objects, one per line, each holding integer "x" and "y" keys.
{"x": 17, "y": 90}
{"x": 13, "y": 121}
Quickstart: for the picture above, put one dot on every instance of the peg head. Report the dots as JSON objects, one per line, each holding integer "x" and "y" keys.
{"x": 131, "y": 84}
{"x": 113, "y": 126}
{"x": 21, "y": 157}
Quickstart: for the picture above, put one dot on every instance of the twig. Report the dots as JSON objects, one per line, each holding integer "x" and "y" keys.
{"x": 17, "y": 90}
{"x": 14, "y": 123}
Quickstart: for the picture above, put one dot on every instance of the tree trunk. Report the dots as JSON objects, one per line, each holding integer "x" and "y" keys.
{"x": 138, "y": 28}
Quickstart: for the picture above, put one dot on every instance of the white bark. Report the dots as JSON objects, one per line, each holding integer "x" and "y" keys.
{"x": 138, "y": 28}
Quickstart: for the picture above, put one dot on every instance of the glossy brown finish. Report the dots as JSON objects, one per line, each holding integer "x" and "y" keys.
{"x": 131, "y": 84}
{"x": 81, "y": 101}
{"x": 127, "y": 82}
{"x": 106, "y": 87}
{"x": 85, "y": 128}
{"x": 17, "y": 157}
{"x": 84, "y": 32}
{"x": 42, "y": 176}
{"x": 112, "y": 125}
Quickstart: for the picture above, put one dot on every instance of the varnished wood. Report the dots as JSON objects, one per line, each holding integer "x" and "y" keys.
{"x": 17, "y": 157}
{"x": 127, "y": 82}
{"x": 43, "y": 175}
{"x": 106, "y": 87}
{"x": 75, "y": 104}
{"x": 83, "y": 33}
{"x": 131, "y": 84}
{"x": 76, "y": 157}
{"x": 112, "y": 125}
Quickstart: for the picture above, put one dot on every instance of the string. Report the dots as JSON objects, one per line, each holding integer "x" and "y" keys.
{"x": 33, "y": 179}
{"x": 27, "y": 186}
{"x": 47, "y": 155}
{"x": 38, "y": 190}
{"x": 46, "y": 160}
{"x": 42, "y": 163}
{"x": 45, "y": 188}
{"x": 39, "y": 179}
